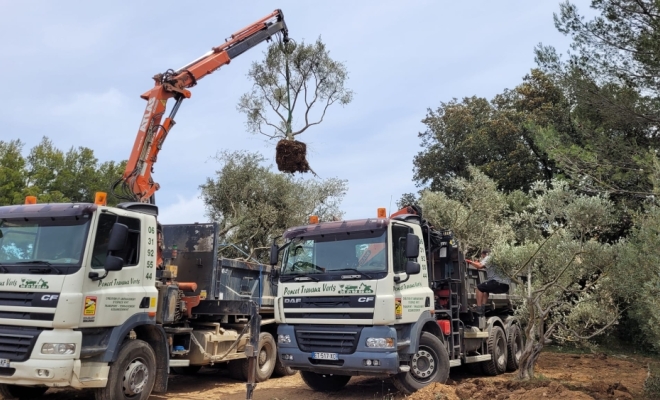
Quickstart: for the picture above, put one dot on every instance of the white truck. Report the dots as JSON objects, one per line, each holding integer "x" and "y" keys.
{"x": 83, "y": 303}
{"x": 386, "y": 297}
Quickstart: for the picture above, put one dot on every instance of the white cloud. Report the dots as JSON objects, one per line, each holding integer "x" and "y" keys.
{"x": 186, "y": 210}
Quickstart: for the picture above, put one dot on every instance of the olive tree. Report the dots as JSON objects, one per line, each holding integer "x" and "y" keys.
{"x": 547, "y": 241}
{"x": 253, "y": 204}
{"x": 300, "y": 79}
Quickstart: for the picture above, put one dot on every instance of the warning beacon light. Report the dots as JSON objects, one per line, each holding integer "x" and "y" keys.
{"x": 313, "y": 219}
{"x": 382, "y": 213}
{"x": 101, "y": 199}
{"x": 30, "y": 199}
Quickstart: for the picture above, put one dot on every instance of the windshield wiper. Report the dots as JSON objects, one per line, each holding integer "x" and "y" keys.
{"x": 48, "y": 270}
{"x": 3, "y": 268}
{"x": 353, "y": 270}
{"x": 298, "y": 277}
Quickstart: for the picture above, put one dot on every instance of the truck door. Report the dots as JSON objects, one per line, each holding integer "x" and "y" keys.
{"x": 413, "y": 296}
{"x": 120, "y": 295}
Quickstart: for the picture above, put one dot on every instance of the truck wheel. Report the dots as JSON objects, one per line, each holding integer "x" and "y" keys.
{"x": 497, "y": 349}
{"x": 514, "y": 348}
{"x": 266, "y": 358}
{"x": 281, "y": 370}
{"x": 189, "y": 370}
{"x": 133, "y": 375}
{"x": 429, "y": 364}
{"x": 324, "y": 382}
{"x": 11, "y": 392}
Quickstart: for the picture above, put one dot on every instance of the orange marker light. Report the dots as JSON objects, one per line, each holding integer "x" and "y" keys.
{"x": 30, "y": 199}
{"x": 101, "y": 199}
{"x": 382, "y": 213}
{"x": 313, "y": 219}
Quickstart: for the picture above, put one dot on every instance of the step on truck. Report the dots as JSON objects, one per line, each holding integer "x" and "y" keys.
{"x": 84, "y": 304}
{"x": 386, "y": 297}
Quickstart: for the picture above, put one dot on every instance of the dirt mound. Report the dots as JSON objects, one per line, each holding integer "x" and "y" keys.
{"x": 601, "y": 391}
{"x": 483, "y": 389}
{"x": 291, "y": 156}
{"x": 435, "y": 391}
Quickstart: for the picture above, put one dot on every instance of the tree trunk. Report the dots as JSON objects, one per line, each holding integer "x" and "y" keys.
{"x": 534, "y": 343}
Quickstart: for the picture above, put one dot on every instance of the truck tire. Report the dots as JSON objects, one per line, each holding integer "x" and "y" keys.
{"x": 281, "y": 370}
{"x": 514, "y": 347}
{"x": 189, "y": 370}
{"x": 497, "y": 349}
{"x": 12, "y": 392}
{"x": 132, "y": 375}
{"x": 430, "y": 364}
{"x": 324, "y": 382}
{"x": 266, "y": 358}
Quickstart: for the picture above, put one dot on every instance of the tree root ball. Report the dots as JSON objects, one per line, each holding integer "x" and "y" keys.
{"x": 290, "y": 156}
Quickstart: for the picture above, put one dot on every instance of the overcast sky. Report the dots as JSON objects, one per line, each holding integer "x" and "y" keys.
{"x": 74, "y": 71}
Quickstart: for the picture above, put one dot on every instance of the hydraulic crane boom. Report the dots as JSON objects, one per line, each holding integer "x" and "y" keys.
{"x": 136, "y": 182}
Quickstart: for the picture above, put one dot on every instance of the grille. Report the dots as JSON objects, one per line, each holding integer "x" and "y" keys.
{"x": 19, "y": 299}
{"x": 342, "y": 341}
{"x": 16, "y": 343}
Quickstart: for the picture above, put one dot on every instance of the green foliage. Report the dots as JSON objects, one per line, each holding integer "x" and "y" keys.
{"x": 550, "y": 235}
{"x": 475, "y": 211}
{"x": 293, "y": 77}
{"x": 12, "y": 167}
{"x": 497, "y": 136}
{"x": 253, "y": 205}
{"x": 611, "y": 78}
{"x": 53, "y": 175}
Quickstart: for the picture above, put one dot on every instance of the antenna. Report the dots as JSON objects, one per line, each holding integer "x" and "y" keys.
{"x": 390, "y": 204}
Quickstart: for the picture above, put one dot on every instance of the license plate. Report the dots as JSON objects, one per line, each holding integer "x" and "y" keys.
{"x": 4, "y": 363}
{"x": 325, "y": 356}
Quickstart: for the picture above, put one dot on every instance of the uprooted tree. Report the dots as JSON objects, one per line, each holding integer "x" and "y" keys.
{"x": 547, "y": 240}
{"x": 253, "y": 204}
{"x": 293, "y": 87}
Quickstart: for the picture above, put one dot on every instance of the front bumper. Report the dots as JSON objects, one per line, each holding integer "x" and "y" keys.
{"x": 347, "y": 364}
{"x": 59, "y": 373}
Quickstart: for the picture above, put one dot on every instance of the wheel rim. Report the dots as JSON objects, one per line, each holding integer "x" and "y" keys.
{"x": 135, "y": 378}
{"x": 423, "y": 364}
{"x": 265, "y": 361}
{"x": 500, "y": 348}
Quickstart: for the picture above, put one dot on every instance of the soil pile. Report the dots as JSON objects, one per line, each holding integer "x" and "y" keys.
{"x": 482, "y": 389}
{"x": 291, "y": 156}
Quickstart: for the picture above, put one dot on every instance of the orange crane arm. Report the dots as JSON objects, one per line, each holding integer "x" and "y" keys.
{"x": 136, "y": 182}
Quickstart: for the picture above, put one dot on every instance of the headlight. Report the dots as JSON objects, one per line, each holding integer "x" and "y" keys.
{"x": 283, "y": 338}
{"x": 380, "y": 343}
{"x": 58, "y": 348}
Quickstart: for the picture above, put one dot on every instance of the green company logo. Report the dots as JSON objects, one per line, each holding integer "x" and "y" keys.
{"x": 355, "y": 289}
{"x": 32, "y": 284}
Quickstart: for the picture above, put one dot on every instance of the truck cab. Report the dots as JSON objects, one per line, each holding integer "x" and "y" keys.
{"x": 383, "y": 297}
{"x": 71, "y": 291}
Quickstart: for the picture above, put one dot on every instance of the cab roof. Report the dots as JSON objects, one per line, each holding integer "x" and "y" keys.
{"x": 46, "y": 210}
{"x": 337, "y": 227}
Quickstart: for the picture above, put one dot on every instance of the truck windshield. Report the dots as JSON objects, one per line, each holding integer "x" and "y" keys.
{"x": 363, "y": 251}
{"x": 43, "y": 240}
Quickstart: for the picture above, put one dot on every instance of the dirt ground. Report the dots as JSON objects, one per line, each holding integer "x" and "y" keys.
{"x": 564, "y": 376}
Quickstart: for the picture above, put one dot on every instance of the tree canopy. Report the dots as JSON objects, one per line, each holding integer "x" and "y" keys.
{"x": 293, "y": 79}
{"x": 254, "y": 205}
{"x": 53, "y": 175}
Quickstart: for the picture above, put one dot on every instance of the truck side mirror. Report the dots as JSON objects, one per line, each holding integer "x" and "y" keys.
{"x": 118, "y": 237}
{"x": 412, "y": 246}
{"x": 114, "y": 263}
{"x": 412, "y": 267}
{"x": 274, "y": 250}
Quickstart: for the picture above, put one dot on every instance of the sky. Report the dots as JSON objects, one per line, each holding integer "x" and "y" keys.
{"x": 74, "y": 71}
